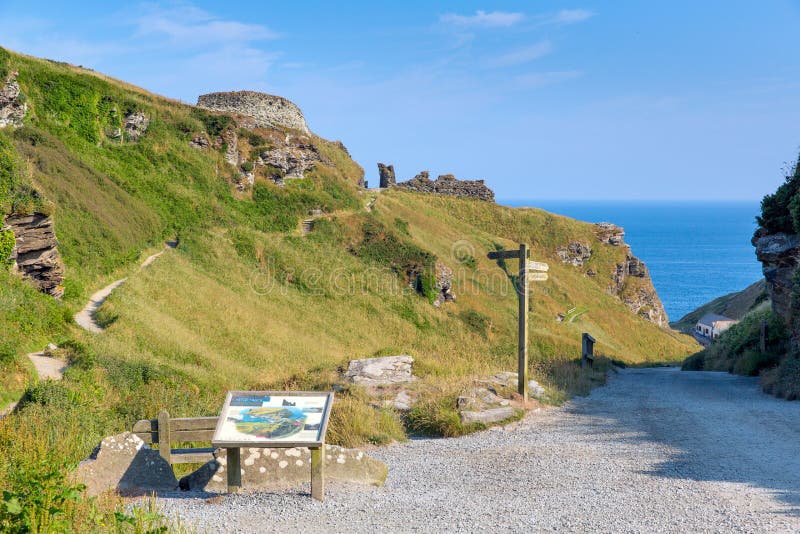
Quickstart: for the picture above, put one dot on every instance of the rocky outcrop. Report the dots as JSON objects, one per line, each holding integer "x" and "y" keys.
{"x": 268, "y": 111}
{"x": 199, "y": 142}
{"x": 292, "y": 161}
{"x": 444, "y": 284}
{"x": 36, "y": 252}
{"x": 270, "y": 469}
{"x": 136, "y": 124}
{"x": 447, "y": 184}
{"x": 779, "y": 255}
{"x": 575, "y": 253}
{"x": 123, "y": 464}
{"x": 609, "y": 233}
{"x": 630, "y": 280}
{"x": 386, "y": 174}
{"x": 12, "y": 104}
{"x": 382, "y": 371}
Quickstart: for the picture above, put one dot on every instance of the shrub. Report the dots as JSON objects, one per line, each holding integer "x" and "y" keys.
{"x": 783, "y": 380}
{"x": 476, "y": 321}
{"x": 248, "y": 166}
{"x": 213, "y": 123}
{"x": 780, "y": 211}
{"x": 695, "y": 362}
{"x": 751, "y": 362}
{"x": 7, "y": 242}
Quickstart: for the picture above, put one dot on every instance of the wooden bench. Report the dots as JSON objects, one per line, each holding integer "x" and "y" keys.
{"x": 166, "y": 431}
{"x": 587, "y": 350}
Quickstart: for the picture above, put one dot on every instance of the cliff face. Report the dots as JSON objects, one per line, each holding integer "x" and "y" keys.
{"x": 36, "y": 254}
{"x": 779, "y": 255}
{"x": 630, "y": 280}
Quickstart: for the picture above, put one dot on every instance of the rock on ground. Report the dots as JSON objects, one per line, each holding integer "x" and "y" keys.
{"x": 382, "y": 371}
{"x": 657, "y": 450}
{"x": 124, "y": 464}
{"x": 280, "y": 468}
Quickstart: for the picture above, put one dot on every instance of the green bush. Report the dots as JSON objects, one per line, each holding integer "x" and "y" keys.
{"x": 751, "y": 362}
{"x": 213, "y": 123}
{"x": 248, "y": 166}
{"x": 476, "y": 321}
{"x": 7, "y": 242}
{"x": 4, "y": 67}
{"x": 780, "y": 211}
{"x": 695, "y": 362}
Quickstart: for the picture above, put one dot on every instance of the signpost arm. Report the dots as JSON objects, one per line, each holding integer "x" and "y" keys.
{"x": 234, "y": 469}
{"x": 318, "y": 473}
{"x": 523, "y": 322}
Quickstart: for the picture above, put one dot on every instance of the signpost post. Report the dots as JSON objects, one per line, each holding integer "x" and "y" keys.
{"x": 523, "y": 293}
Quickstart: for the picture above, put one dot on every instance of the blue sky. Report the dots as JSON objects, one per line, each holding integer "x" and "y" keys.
{"x": 545, "y": 100}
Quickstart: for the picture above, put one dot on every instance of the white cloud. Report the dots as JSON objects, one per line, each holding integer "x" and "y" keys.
{"x": 534, "y": 80}
{"x": 193, "y": 27}
{"x": 521, "y": 55}
{"x": 571, "y": 16}
{"x": 482, "y": 19}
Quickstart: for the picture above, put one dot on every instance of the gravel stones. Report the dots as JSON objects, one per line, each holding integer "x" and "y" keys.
{"x": 657, "y": 450}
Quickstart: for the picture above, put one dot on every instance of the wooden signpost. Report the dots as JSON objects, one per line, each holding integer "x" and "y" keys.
{"x": 525, "y": 276}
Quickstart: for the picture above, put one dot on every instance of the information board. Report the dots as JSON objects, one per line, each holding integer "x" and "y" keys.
{"x": 273, "y": 419}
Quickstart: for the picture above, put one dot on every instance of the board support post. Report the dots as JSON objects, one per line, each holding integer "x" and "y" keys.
{"x": 234, "y": 469}
{"x": 318, "y": 473}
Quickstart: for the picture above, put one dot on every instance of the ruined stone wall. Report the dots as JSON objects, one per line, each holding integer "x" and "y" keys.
{"x": 447, "y": 184}
{"x": 267, "y": 110}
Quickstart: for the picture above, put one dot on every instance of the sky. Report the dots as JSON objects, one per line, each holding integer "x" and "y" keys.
{"x": 584, "y": 100}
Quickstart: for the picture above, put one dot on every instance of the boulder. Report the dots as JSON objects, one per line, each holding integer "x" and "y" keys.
{"x": 199, "y": 142}
{"x": 382, "y": 371}
{"x": 488, "y": 417}
{"x": 281, "y": 468}
{"x": 575, "y": 253}
{"x": 12, "y": 105}
{"x": 444, "y": 284}
{"x": 136, "y": 124}
{"x": 293, "y": 161}
{"x": 123, "y": 463}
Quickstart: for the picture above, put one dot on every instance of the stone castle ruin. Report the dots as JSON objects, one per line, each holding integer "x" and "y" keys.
{"x": 269, "y": 111}
{"x": 445, "y": 184}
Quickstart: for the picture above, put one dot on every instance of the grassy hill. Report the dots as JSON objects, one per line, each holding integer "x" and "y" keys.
{"x": 734, "y": 305}
{"x": 245, "y": 300}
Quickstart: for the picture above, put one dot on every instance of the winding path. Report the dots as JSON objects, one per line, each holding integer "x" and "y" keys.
{"x": 657, "y": 450}
{"x": 85, "y": 317}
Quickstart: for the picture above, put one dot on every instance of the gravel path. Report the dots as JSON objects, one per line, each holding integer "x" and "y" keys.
{"x": 85, "y": 317}
{"x": 48, "y": 367}
{"x": 657, "y": 450}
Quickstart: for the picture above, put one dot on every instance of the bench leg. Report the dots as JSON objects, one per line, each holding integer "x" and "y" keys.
{"x": 234, "y": 470}
{"x": 318, "y": 474}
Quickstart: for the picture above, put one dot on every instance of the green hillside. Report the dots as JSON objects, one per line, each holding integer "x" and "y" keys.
{"x": 245, "y": 300}
{"x": 734, "y": 305}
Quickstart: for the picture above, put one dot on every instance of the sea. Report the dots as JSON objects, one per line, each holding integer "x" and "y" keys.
{"x": 695, "y": 251}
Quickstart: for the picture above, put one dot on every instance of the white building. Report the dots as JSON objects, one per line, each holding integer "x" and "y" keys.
{"x": 712, "y": 325}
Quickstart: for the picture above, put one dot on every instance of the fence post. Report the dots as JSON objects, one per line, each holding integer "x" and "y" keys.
{"x": 164, "y": 440}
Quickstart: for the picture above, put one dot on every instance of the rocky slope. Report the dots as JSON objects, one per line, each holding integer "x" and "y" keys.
{"x": 36, "y": 254}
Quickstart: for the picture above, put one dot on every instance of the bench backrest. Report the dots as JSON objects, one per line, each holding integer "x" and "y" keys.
{"x": 165, "y": 431}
